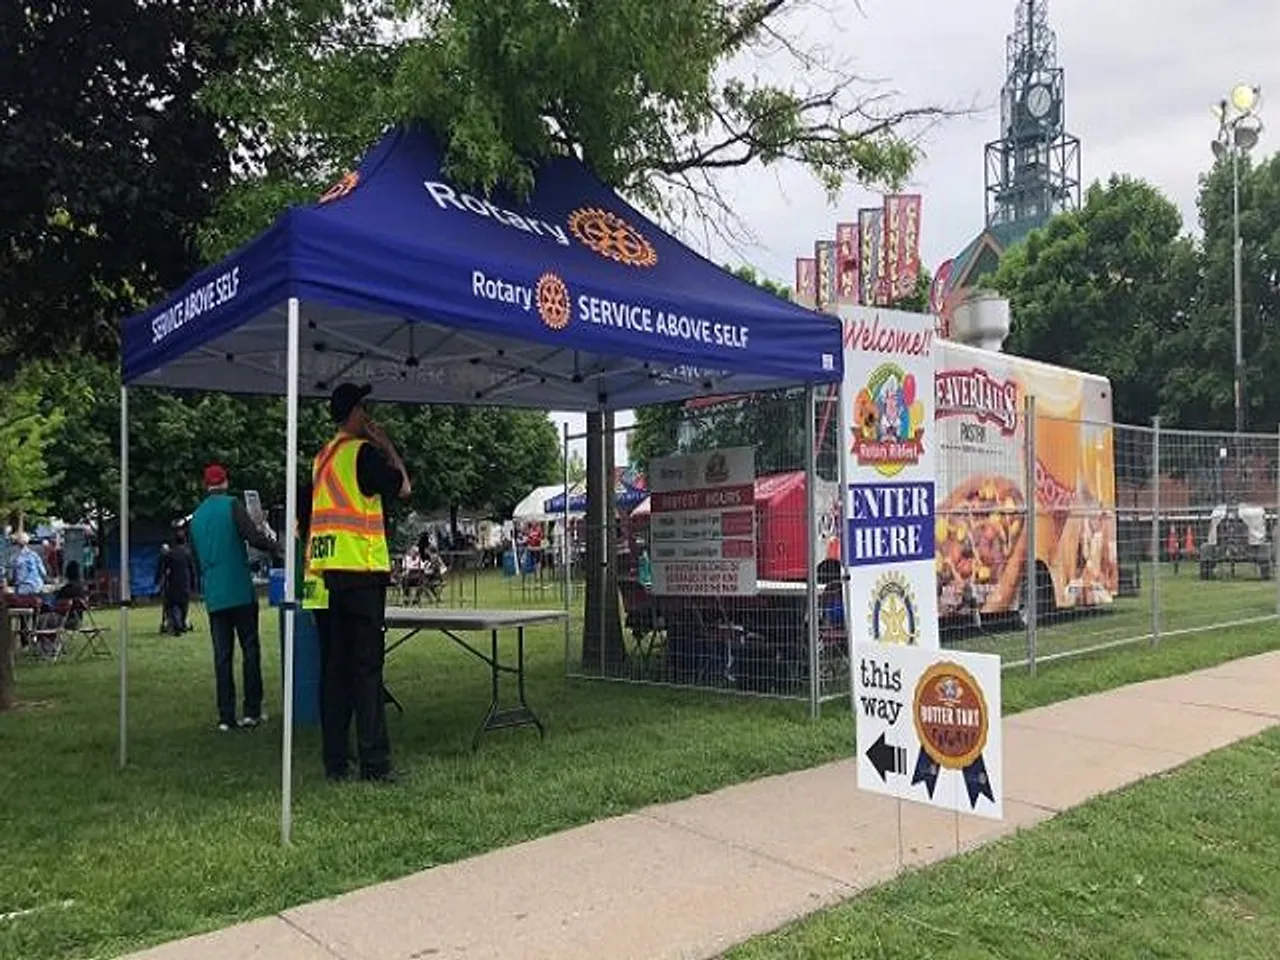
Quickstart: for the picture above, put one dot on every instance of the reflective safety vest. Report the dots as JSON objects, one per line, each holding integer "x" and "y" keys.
{"x": 347, "y": 530}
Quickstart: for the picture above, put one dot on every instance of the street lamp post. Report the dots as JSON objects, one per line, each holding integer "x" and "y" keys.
{"x": 1238, "y": 129}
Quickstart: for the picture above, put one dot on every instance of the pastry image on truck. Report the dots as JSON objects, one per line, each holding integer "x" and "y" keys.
{"x": 983, "y": 517}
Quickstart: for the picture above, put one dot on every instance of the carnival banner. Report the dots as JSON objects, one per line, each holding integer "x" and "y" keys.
{"x": 938, "y": 290}
{"x": 848, "y": 286}
{"x": 902, "y": 244}
{"x": 888, "y": 401}
{"x": 871, "y": 249}
{"x": 824, "y": 253}
{"x": 806, "y": 282}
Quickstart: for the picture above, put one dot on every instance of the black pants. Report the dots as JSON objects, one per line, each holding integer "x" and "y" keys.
{"x": 176, "y": 608}
{"x": 226, "y": 625}
{"x": 325, "y": 635}
{"x": 353, "y": 682}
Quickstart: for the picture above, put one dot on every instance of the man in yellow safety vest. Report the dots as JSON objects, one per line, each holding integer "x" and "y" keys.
{"x": 352, "y": 476}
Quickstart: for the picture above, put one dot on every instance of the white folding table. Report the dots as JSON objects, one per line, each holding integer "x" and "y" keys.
{"x": 452, "y": 623}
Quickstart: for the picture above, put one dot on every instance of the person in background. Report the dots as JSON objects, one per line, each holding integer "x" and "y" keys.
{"x": 162, "y": 587}
{"x": 180, "y": 581}
{"x": 434, "y": 571}
{"x": 412, "y": 576}
{"x": 27, "y": 573}
{"x": 352, "y": 477}
{"x": 220, "y": 528}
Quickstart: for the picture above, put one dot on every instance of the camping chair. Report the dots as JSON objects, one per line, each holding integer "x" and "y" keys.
{"x": 48, "y": 638}
{"x": 434, "y": 584}
{"x": 643, "y": 621}
{"x": 703, "y": 643}
{"x": 81, "y": 629}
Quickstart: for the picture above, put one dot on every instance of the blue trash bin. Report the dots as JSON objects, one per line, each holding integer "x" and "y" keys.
{"x": 306, "y": 668}
{"x": 275, "y": 587}
{"x": 509, "y": 563}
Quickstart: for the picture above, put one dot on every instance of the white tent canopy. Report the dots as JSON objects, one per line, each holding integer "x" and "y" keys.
{"x": 533, "y": 508}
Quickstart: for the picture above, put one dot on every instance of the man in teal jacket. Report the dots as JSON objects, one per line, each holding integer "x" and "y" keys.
{"x": 220, "y": 528}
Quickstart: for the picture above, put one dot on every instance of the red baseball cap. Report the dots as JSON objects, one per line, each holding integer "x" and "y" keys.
{"x": 215, "y": 475}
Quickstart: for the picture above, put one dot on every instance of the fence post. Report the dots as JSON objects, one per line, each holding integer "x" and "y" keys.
{"x": 1155, "y": 529}
{"x": 1032, "y": 601}
{"x": 1275, "y": 527}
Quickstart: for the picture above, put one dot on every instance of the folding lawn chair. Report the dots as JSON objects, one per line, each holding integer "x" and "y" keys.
{"x": 645, "y": 624}
{"x": 81, "y": 630}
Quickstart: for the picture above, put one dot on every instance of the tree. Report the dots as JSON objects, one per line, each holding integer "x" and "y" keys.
{"x": 485, "y": 459}
{"x": 1105, "y": 290}
{"x": 639, "y": 89}
{"x": 774, "y": 421}
{"x": 1199, "y": 386}
{"x": 918, "y": 300}
{"x": 25, "y": 430}
{"x": 577, "y": 472}
{"x": 110, "y": 161}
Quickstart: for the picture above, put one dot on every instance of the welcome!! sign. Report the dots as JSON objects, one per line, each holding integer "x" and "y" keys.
{"x": 888, "y": 397}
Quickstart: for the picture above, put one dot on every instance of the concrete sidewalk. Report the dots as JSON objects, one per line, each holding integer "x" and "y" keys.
{"x": 690, "y": 879}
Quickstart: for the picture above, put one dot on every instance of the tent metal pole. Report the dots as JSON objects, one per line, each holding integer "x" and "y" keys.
{"x": 126, "y": 590}
{"x": 811, "y": 573}
{"x": 290, "y": 572}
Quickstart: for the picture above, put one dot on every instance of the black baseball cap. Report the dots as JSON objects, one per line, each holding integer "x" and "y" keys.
{"x": 345, "y": 398}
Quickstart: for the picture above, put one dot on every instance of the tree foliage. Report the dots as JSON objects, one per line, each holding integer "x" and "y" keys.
{"x": 26, "y": 426}
{"x": 109, "y": 162}
{"x": 1104, "y": 290}
{"x": 1200, "y": 387}
{"x": 476, "y": 459}
{"x": 651, "y": 94}
{"x": 1118, "y": 289}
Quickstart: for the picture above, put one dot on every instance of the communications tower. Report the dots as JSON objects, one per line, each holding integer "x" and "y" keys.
{"x": 1033, "y": 170}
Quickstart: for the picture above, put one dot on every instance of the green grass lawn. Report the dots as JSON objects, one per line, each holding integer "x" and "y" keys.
{"x": 1186, "y": 603}
{"x": 186, "y": 839}
{"x": 1179, "y": 866}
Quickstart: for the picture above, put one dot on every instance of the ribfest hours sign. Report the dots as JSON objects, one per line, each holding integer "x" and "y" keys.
{"x": 702, "y": 523}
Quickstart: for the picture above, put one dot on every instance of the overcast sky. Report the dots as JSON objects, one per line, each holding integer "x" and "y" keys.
{"x": 1140, "y": 79}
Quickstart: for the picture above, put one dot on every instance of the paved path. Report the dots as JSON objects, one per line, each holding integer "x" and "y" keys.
{"x": 691, "y": 879}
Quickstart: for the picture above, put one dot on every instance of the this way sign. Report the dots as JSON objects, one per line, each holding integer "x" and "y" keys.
{"x": 929, "y": 726}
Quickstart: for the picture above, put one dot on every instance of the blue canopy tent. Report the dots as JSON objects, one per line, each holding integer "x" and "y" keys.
{"x": 569, "y": 300}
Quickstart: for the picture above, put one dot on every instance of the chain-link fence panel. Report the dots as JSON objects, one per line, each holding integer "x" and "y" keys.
{"x": 1212, "y": 526}
{"x": 722, "y": 639}
{"x": 1069, "y": 537}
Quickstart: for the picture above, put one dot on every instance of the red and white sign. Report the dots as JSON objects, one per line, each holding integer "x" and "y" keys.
{"x": 703, "y": 526}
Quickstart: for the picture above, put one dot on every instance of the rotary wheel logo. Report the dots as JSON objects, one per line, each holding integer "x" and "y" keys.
{"x": 340, "y": 189}
{"x": 893, "y": 617}
{"x": 553, "y": 301}
{"x": 610, "y": 236}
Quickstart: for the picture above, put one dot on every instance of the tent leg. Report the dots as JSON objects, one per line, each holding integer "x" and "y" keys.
{"x": 126, "y": 591}
{"x": 290, "y": 573}
{"x": 811, "y": 572}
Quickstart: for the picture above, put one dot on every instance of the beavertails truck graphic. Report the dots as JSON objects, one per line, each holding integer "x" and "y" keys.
{"x": 983, "y": 562}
